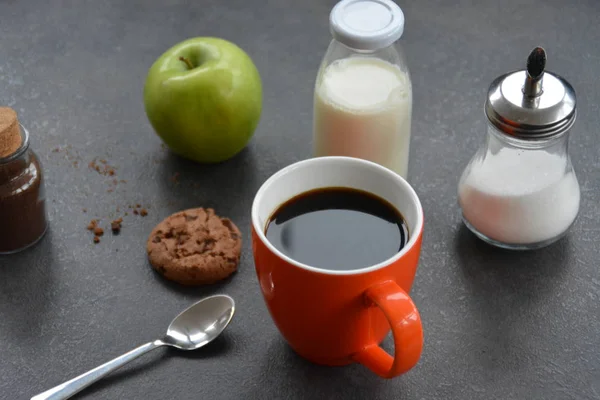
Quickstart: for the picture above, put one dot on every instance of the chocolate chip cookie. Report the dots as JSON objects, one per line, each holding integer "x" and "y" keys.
{"x": 195, "y": 247}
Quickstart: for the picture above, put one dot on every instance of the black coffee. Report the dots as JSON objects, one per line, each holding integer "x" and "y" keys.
{"x": 337, "y": 228}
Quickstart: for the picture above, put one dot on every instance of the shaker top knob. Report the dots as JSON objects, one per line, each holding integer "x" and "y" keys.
{"x": 533, "y": 103}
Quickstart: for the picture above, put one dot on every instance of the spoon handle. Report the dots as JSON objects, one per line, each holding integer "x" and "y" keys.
{"x": 69, "y": 388}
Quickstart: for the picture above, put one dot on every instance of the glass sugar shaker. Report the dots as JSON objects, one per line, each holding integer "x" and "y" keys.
{"x": 520, "y": 191}
{"x": 363, "y": 91}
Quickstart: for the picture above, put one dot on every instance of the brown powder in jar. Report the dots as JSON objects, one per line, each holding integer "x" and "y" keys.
{"x": 10, "y": 135}
{"x": 22, "y": 195}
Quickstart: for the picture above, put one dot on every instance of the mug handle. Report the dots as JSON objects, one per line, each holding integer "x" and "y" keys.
{"x": 406, "y": 327}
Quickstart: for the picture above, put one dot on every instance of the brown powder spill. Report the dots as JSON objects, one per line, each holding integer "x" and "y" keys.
{"x": 69, "y": 154}
{"x": 116, "y": 225}
{"x": 93, "y": 226}
{"x": 138, "y": 210}
{"x": 10, "y": 134}
{"x": 103, "y": 168}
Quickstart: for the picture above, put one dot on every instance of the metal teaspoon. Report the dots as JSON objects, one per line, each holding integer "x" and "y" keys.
{"x": 195, "y": 327}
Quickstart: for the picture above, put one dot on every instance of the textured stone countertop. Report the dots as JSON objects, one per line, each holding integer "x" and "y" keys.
{"x": 498, "y": 325}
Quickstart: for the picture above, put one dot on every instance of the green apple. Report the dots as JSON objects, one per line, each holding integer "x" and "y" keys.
{"x": 203, "y": 98}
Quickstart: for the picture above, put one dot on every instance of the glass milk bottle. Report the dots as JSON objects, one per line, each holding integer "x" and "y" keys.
{"x": 363, "y": 91}
{"x": 520, "y": 191}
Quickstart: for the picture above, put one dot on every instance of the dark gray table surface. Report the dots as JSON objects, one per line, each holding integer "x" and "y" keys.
{"x": 498, "y": 325}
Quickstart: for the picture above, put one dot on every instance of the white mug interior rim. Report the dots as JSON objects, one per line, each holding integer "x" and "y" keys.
{"x": 350, "y": 166}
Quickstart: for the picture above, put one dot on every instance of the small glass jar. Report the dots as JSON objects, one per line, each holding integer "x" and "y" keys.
{"x": 363, "y": 90}
{"x": 520, "y": 191}
{"x": 22, "y": 199}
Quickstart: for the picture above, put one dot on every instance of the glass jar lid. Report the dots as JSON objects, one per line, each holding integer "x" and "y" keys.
{"x": 366, "y": 24}
{"x": 532, "y": 103}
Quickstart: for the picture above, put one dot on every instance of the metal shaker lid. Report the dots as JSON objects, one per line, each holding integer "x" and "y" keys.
{"x": 531, "y": 103}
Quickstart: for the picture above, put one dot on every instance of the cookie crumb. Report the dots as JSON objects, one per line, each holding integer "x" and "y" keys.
{"x": 92, "y": 225}
{"x": 143, "y": 212}
{"x": 98, "y": 231}
{"x": 116, "y": 225}
{"x": 136, "y": 212}
{"x": 96, "y": 239}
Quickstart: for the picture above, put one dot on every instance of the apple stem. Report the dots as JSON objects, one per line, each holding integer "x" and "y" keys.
{"x": 187, "y": 62}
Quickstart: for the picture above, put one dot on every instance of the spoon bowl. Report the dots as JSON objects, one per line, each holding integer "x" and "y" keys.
{"x": 201, "y": 323}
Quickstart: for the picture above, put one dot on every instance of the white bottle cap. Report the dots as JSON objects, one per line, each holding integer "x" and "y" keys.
{"x": 366, "y": 24}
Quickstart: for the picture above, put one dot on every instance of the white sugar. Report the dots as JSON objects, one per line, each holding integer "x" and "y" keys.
{"x": 520, "y": 196}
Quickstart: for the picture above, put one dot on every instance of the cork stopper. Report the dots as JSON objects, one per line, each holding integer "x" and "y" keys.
{"x": 10, "y": 134}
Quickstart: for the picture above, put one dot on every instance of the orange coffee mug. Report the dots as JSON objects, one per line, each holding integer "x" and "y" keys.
{"x": 335, "y": 317}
